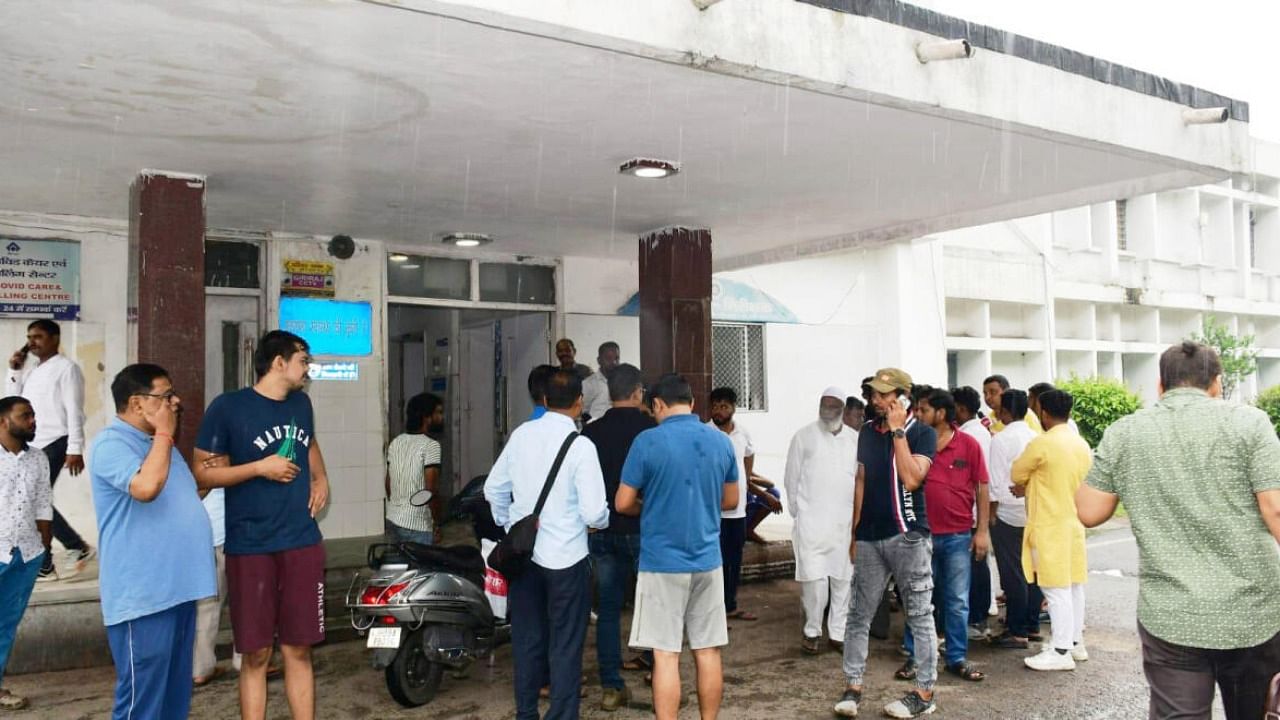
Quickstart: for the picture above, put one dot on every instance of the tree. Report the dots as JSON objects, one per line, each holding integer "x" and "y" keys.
{"x": 1239, "y": 357}
{"x": 1269, "y": 401}
{"x": 1098, "y": 403}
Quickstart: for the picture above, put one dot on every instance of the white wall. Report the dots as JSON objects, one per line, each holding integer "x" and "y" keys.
{"x": 592, "y": 291}
{"x": 97, "y": 341}
{"x": 350, "y": 416}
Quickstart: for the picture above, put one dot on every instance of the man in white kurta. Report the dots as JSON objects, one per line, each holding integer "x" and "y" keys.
{"x": 821, "y": 466}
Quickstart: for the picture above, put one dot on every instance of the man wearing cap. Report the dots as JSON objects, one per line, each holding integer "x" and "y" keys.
{"x": 821, "y": 465}
{"x": 891, "y": 537}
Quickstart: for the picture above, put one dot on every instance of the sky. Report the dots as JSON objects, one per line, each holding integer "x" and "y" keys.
{"x": 1224, "y": 46}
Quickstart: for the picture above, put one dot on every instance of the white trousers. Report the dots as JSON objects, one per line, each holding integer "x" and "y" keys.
{"x": 830, "y": 596}
{"x": 208, "y": 617}
{"x": 1066, "y": 612}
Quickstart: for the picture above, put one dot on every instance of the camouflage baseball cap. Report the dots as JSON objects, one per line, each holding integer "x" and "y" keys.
{"x": 889, "y": 379}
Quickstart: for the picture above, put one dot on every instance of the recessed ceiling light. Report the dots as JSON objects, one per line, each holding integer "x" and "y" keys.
{"x": 411, "y": 266}
{"x": 398, "y": 257}
{"x": 466, "y": 239}
{"x": 649, "y": 168}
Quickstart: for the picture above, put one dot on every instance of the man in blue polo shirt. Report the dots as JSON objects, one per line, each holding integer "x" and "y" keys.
{"x": 678, "y": 477}
{"x": 891, "y": 537}
{"x": 157, "y": 547}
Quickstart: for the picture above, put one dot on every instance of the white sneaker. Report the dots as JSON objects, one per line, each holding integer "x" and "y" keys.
{"x": 1050, "y": 659}
{"x": 1079, "y": 653}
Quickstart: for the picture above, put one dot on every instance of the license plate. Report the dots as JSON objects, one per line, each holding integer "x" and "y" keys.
{"x": 384, "y": 637}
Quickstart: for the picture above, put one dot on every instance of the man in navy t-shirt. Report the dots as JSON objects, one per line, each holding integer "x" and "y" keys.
{"x": 259, "y": 443}
{"x": 891, "y": 537}
{"x": 678, "y": 477}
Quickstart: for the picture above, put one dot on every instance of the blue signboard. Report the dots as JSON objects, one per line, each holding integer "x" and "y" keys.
{"x": 40, "y": 277}
{"x": 330, "y": 327}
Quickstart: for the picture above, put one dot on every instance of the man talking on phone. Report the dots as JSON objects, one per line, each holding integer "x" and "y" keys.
{"x": 55, "y": 386}
{"x": 891, "y": 537}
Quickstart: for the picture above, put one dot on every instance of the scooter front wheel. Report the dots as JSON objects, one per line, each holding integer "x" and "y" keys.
{"x": 412, "y": 679}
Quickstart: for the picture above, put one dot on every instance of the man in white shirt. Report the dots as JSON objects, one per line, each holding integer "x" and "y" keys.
{"x": 595, "y": 389}
{"x": 549, "y": 603}
{"x": 25, "y": 512}
{"x": 822, "y": 463}
{"x": 1009, "y": 521}
{"x": 55, "y": 387}
{"x": 733, "y": 523}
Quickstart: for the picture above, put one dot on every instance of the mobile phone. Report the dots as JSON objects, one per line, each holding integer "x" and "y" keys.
{"x": 905, "y": 402}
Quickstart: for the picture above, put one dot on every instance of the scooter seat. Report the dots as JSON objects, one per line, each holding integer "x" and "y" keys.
{"x": 463, "y": 560}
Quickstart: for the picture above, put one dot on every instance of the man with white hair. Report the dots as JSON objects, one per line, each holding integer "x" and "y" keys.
{"x": 822, "y": 463}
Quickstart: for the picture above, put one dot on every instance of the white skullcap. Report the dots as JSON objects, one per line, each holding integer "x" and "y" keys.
{"x": 834, "y": 392}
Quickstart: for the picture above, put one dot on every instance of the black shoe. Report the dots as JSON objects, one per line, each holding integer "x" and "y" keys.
{"x": 910, "y": 706}
{"x": 848, "y": 705}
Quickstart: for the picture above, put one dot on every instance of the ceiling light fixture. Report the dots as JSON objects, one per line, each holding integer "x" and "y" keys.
{"x": 398, "y": 257}
{"x": 649, "y": 168}
{"x": 411, "y": 266}
{"x": 466, "y": 239}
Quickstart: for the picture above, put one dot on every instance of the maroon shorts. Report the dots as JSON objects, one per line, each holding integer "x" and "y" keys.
{"x": 277, "y": 595}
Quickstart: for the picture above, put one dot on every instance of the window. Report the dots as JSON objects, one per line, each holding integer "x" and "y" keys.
{"x": 1122, "y": 231}
{"x": 512, "y": 283}
{"x": 230, "y": 264}
{"x": 428, "y": 277}
{"x": 737, "y": 361}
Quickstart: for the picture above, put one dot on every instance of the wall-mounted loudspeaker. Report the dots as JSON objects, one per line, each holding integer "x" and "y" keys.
{"x": 342, "y": 247}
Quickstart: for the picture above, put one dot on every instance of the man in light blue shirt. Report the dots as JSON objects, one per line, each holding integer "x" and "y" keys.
{"x": 156, "y": 547}
{"x": 683, "y": 473}
{"x": 549, "y": 603}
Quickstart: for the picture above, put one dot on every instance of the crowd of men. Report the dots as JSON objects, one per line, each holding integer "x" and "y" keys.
{"x": 902, "y": 496}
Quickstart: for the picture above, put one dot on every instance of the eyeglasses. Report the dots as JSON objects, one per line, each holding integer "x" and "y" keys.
{"x": 169, "y": 395}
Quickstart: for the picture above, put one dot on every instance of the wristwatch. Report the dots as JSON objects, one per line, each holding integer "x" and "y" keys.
{"x": 899, "y": 433}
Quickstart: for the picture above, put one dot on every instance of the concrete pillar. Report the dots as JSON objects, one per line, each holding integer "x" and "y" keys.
{"x": 675, "y": 308}
{"x": 166, "y": 286}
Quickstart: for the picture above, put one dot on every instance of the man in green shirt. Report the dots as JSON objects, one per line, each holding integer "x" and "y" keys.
{"x": 1200, "y": 478}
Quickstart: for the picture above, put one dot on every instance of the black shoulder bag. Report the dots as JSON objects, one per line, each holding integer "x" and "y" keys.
{"x": 514, "y": 553}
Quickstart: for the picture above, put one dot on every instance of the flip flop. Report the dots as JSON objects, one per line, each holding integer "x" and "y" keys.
{"x": 637, "y": 663}
{"x": 742, "y": 615}
{"x": 966, "y": 671}
{"x": 907, "y": 671}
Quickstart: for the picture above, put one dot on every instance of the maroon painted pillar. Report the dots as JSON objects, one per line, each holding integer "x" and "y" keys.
{"x": 166, "y": 286}
{"x": 675, "y": 308}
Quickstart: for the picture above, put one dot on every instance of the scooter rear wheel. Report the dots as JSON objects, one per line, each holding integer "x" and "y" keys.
{"x": 412, "y": 679}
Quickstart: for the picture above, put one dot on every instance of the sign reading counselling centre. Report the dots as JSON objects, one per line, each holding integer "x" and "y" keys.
{"x": 330, "y": 327}
{"x": 40, "y": 278}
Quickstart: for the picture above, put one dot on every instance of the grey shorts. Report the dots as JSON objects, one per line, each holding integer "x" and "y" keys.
{"x": 669, "y": 605}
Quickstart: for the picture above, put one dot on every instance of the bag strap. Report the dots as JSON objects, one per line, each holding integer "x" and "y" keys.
{"x": 555, "y": 470}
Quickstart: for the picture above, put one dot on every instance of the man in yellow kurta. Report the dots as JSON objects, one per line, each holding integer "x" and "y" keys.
{"x": 1049, "y": 471}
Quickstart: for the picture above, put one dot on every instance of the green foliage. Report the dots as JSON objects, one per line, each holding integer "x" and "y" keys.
{"x": 1269, "y": 402}
{"x": 1098, "y": 403}
{"x": 1239, "y": 357}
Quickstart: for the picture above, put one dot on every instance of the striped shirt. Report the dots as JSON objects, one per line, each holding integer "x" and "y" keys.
{"x": 408, "y": 457}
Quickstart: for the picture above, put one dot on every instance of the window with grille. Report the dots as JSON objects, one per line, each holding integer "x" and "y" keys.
{"x": 737, "y": 361}
{"x": 1122, "y": 232}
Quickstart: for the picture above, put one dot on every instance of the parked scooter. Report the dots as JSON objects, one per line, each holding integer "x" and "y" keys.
{"x": 424, "y": 607}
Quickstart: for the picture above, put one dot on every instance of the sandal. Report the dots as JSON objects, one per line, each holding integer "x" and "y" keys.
{"x": 966, "y": 671}
{"x": 9, "y": 701}
{"x": 202, "y": 681}
{"x": 906, "y": 672}
{"x": 638, "y": 663}
{"x": 1009, "y": 642}
{"x": 742, "y": 615}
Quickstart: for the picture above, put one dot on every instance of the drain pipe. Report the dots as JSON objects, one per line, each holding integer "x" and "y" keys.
{"x": 1048, "y": 268}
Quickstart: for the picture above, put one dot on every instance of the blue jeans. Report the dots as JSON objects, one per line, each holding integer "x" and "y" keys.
{"x": 548, "y": 610}
{"x": 153, "y": 655}
{"x": 951, "y": 567}
{"x": 395, "y": 533}
{"x": 616, "y": 558}
{"x": 17, "y": 578}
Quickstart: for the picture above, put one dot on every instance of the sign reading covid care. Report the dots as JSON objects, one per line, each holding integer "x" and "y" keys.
{"x": 330, "y": 327}
{"x": 40, "y": 278}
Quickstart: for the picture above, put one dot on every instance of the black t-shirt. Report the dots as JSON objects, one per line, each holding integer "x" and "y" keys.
{"x": 888, "y": 509}
{"x": 612, "y": 435}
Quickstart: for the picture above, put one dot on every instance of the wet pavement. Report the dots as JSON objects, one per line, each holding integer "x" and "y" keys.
{"x": 766, "y": 675}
